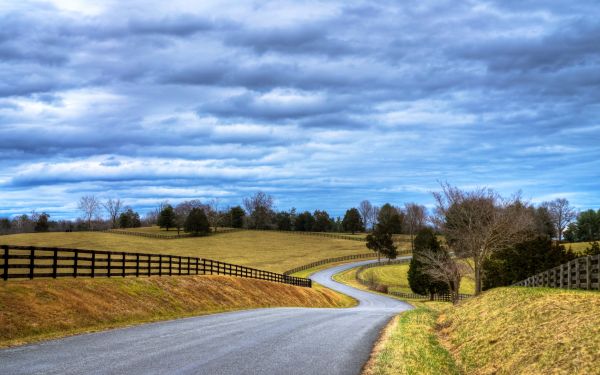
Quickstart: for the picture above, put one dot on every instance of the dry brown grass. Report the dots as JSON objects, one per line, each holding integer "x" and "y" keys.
{"x": 272, "y": 251}
{"x": 41, "y": 309}
{"x": 525, "y": 331}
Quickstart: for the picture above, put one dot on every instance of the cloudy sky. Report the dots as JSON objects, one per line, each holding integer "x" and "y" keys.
{"x": 321, "y": 104}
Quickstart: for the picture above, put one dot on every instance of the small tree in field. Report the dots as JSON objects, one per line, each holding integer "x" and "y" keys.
{"x": 441, "y": 267}
{"x": 352, "y": 221}
{"x": 42, "y": 225}
{"x": 89, "y": 205}
{"x": 197, "y": 222}
{"x": 166, "y": 218}
{"x": 382, "y": 243}
{"x": 236, "y": 216}
{"x": 419, "y": 280}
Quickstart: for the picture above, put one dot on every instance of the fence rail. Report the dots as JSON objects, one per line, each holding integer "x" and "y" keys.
{"x": 337, "y": 259}
{"x": 34, "y": 262}
{"x": 164, "y": 236}
{"x": 580, "y": 273}
{"x": 382, "y": 288}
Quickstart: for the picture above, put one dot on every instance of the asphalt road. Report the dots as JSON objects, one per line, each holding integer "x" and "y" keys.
{"x": 275, "y": 341}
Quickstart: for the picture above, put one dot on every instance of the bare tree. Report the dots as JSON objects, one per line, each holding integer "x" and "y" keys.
{"x": 480, "y": 222}
{"x": 89, "y": 205}
{"x": 259, "y": 208}
{"x": 440, "y": 266}
{"x": 561, "y": 214}
{"x": 415, "y": 216}
{"x": 366, "y": 212}
{"x": 215, "y": 216}
{"x": 113, "y": 207}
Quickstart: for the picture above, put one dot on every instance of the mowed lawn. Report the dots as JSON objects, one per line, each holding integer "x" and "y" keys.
{"x": 396, "y": 277}
{"x": 268, "y": 250}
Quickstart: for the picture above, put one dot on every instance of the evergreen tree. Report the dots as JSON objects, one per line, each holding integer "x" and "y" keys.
{"x": 322, "y": 221}
{"x": 418, "y": 280}
{"x": 197, "y": 222}
{"x": 283, "y": 220}
{"x": 352, "y": 221}
{"x": 304, "y": 222}
{"x": 42, "y": 225}
{"x": 166, "y": 218}
{"x": 236, "y": 217}
{"x": 382, "y": 243}
{"x": 390, "y": 218}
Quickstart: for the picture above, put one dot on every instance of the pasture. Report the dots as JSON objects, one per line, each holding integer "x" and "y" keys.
{"x": 268, "y": 250}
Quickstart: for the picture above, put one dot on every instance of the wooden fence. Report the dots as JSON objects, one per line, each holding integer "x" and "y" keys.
{"x": 580, "y": 273}
{"x": 35, "y": 262}
{"x": 164, "y": 236}
{"x": 385, "y": 288}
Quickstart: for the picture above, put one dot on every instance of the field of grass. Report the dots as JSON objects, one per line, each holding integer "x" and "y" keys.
{"x": 525, "y": 331}
{"x": 32, "y": 310}
{"x": 577, "y": 247}
{"x": 395, "y": 276}
{"x": 268, "y": 250}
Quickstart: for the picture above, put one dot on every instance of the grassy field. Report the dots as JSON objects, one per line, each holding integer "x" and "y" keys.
{"x": 577, "y": 247}
{"x": 395, "y": 276}
{"x": 33, "y": 310}
{"x": 269, "y": 250}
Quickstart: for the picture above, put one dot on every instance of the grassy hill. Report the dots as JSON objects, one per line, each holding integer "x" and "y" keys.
{"x": 503, "y": 331}
{"x": 32, "y": 310}
{"x": 269, "y": 250}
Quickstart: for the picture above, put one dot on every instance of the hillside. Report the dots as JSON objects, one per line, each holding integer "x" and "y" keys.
{"x": 272, "y": 251}
{"x": 32, "y": 310}
{"x": 503, "y": 331}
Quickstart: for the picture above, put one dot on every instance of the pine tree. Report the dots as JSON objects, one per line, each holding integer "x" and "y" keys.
{"x": 418, "y": 280}
{"x": 197, "y": 222}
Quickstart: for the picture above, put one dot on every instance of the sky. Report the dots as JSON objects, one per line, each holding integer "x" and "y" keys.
{"x": 320, "y": 104}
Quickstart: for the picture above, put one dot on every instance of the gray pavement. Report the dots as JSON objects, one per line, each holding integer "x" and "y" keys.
{"x": 262, "y": 341}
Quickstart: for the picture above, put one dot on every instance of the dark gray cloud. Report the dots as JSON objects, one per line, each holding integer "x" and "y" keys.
{"x": 314, "y": 102}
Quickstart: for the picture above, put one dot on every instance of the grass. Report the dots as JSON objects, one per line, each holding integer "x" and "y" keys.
{"x": 409, "y": 345}
{"x": 577, "y": 247}
{"x": 33, "y": 310}
{"x": 395, "y": 276}
{"x": 525, "y": 331}
{"x": 269, "y": 250}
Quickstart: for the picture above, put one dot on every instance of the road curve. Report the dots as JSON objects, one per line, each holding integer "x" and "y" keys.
{"x": 276, "y": 341}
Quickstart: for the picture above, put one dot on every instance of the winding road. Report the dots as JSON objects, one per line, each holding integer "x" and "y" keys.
{"x": 276, "y": 341}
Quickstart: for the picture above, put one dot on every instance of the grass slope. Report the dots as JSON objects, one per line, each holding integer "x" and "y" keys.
{"x": 396, "y": 277}
{"x": 273, "y": 251}
{"x": 525, "y": 331}
{"x": 41, "y": 309}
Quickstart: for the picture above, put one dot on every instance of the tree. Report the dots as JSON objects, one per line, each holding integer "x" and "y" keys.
{"x": 259, "y": 208}
{"x": 561, "y": 214}
{"x": 419, "y": 280}
{"x": 415, "y": 216}
{"x": 113, "y": 207}
{"x": 167, "y": 218}
{"x": 4, "y": 224}
{"x": 352, "y": 221}
{"x": 41, "y": 224}
{"x": 366, "y": 212}
{"x": 515, "y": 263}
{"x": 129, "y": 219}
{"x": 390, "y": 218}
{"x": 440, "y": 266}
{"x": 382, "y": 243}
{"x": 594, "y": 249}
{"x": 322, "y": 221}
{"x": 480, "y": 222}
{"x": 304, "y": 222}
{"x": 283, "y": 220}
{"x": 588, "y": 226}
{"x": 236, "y": 216}
{"x": 90, "y": 206}
{"x": 197, "y": 222}
{"x": 214, "y": 215}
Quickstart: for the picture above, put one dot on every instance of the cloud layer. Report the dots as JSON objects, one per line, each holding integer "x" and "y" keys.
{"x": 321, "y": 104}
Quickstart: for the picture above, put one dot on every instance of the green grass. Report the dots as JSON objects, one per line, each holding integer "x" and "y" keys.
{"x": 269, "y": 250}
{"x": 395, "y": 276}
{"x": 577, "y": 247}
{"x": 410, "y": 346}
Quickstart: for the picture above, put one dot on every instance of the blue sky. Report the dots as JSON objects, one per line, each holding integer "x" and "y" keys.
{"x": 321, "y": 104}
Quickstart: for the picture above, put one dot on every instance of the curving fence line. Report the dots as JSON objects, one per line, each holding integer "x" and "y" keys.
{"x": 35, "y": 262}
{"x": 338, "y": 259}
{"x": 580, "y": 273}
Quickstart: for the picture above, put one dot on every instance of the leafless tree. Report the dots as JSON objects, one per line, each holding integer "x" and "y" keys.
{"x": 113, "y": 207}
{"x": 440, "y": 266}
{"x": 479, "y": 222}
{"x": 415, "y": 217}
{"x": 90, "y": 206}
{"x": 561, "y": 214}
{"x": 366, "y": 209}
{"x": 214, "y": 215}
{"x": 259, "y": 208}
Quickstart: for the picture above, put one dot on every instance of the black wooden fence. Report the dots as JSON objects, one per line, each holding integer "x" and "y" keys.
{"x": 580, "y": 273}
{"x": 35, "y": 262}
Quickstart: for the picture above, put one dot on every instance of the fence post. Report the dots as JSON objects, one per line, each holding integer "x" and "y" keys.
{"x": 197, "y": 264}
{"x": 5, "y": 276}
{"x": 123, "y": 265}
{"x": 149, "y": 265}
{"x": 108, "y": 265}
{"x": 170, "y": 265}
{"x": 180, "y": 266}
{"x": 569, "y": 275}
{"x": 54, "y": 263}
{"x": 31, "y": 262}
{"x": 577, "y": 281}
{"x": 75, "y": 256}
{"x": 561, "y": 275}
{"x": 137, "y": 265}
{"x": 588, "y": 273}
{"x": 188, "y": 261}
{"x": 160, "y": 265}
